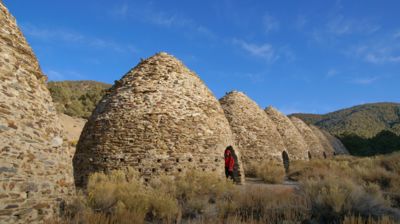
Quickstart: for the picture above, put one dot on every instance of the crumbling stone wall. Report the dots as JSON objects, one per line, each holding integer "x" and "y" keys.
{"x": 294, "y": 142}
{"x": 35, "y": 169}
{"x": 159, "y": 118}
{"x": 314, "y": 146}
{"x": 255, "y": 134}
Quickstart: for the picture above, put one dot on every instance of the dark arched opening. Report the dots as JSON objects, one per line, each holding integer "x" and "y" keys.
{"x": 286, "y": 162}
{"x": 325, "y": 155}
{"x": 236, "y": 168}
{"x": 309, "y": 155}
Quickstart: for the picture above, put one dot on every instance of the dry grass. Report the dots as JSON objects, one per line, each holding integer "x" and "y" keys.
{"x": 271, "y": 172}
{"x": 343, "y": 186}
{"x": 258, "y": 203}
{"x": 361, "y": 220}
{"x": 340, "y": 190}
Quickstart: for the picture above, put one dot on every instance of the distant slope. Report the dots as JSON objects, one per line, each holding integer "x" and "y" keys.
{"x": 365, "y": 120}
{"x": 366, "y": 129}
{"x": 77, "y": 98}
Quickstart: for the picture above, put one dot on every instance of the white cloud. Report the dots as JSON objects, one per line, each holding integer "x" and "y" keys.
{"x": 331, "y": 73}
{"x": 340, "y": 25}
{"x": 365, "y": 80}
{"x": 265, "y": 51}
{"x": 396, "y": 35}
{"x": 70, "y": 36}
{"x": 120, "y": 11}
{"x": 377, "y": 52}
{"x": 300, "y": 22}
{"x": 270, "y": 23}
{"x": 55, "y": 75}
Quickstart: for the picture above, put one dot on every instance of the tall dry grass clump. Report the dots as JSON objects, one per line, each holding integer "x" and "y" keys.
{"x": 271, "y": 172}
{"x": 347, "y": 186}
{"x": 195, "y": 191}
{"x": 266, "y": 205}
{"x": 122, "y": 194}
{"x": 122, "y": 197}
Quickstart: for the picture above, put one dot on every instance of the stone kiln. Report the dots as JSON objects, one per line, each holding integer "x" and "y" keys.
{"x": 314, "y": 146}
{"x": 255, "y": 134}
{"x": 294, "y": 142}
{"x": 159, "y": 118}
{"x": 35, "y": 167}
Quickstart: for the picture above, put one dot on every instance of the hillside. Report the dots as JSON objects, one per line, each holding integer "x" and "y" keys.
{"x": 363, "y": 128}
{"x": 365, "y": 120}
{"x": 77, "y": 98}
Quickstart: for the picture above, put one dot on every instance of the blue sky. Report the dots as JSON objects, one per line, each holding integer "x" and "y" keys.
{"x": 299, "y": 56}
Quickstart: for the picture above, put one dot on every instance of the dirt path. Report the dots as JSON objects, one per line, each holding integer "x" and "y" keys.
{"x": 257, "y": 182}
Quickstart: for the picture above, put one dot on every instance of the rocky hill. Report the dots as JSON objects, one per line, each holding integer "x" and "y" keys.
{"x": 77, "y": 98}
{"x": 365, "y": 120}
{"x": 362, "y": 128}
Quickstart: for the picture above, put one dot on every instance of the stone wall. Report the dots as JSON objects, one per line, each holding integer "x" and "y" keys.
{"x": 328, "y": 149}
{"x": 35, "y": 168}
{"x": 314, "y": 145}
{"x": 336, "y": 144}
{"x": 255, "y": 134}
{"x": 159, "y": 118}
{"x": 294, "y": 142}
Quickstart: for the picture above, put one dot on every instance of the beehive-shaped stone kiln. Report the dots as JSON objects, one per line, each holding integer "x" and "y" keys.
{"x": 159, "y": 118}
{"x": 328, "y": 148}
{"x": 255, "y": 134}
{"x": 35, "y": 167}
{"x": 314, "y": 146}
{"x": 336, "y": 144}
{"x": 294, "y": 142}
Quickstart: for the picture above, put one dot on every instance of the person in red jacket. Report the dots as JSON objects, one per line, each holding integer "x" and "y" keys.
{"x": 229, "y": 162}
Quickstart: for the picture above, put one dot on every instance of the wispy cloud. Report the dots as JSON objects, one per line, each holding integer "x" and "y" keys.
{"x": 396, "y": 35}
{"x": 340, "y": 25}
{"x": 378, "y": 51}
{"x": 150, "y": 14}
{"x": 265, "y": 51}
{"x": 365, "y": 80}
{"x": 56, "y": 75}
{"x": 120, "y": 11}
{"x": 71, "y": 36}
{"x": 300, "y": 22}
{"x": 331, "y": 73}
{"x": 270, "y": 23}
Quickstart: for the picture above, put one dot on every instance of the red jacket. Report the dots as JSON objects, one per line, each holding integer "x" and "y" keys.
{"x": 229, "y": 160}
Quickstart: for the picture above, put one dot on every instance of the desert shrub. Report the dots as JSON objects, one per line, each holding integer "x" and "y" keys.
{"x": 269, "y": 171}
{"x": 123, "y": 194}
{"x": 195, "y": 190}
{"x": 352, "y": 219}
{"x": 348, "y": 185}
{"x": 260, "y": 203}
{"x": 77, "y": 98}
{"x": 334, "y": 198}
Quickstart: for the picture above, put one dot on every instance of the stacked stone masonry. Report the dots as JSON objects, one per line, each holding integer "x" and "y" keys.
{"x": 314, "y": 146}
{"x": 159, "y": 118}
{"x": 35, "y": 168}
{"x": 297, "y": 148}
{"x": 326, "y": 144}
{"x": 255, "y": 134}
{"x": 337, "y": 145}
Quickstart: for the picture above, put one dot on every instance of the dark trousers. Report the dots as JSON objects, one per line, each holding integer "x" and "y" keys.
{"x": 228, "y": 174}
